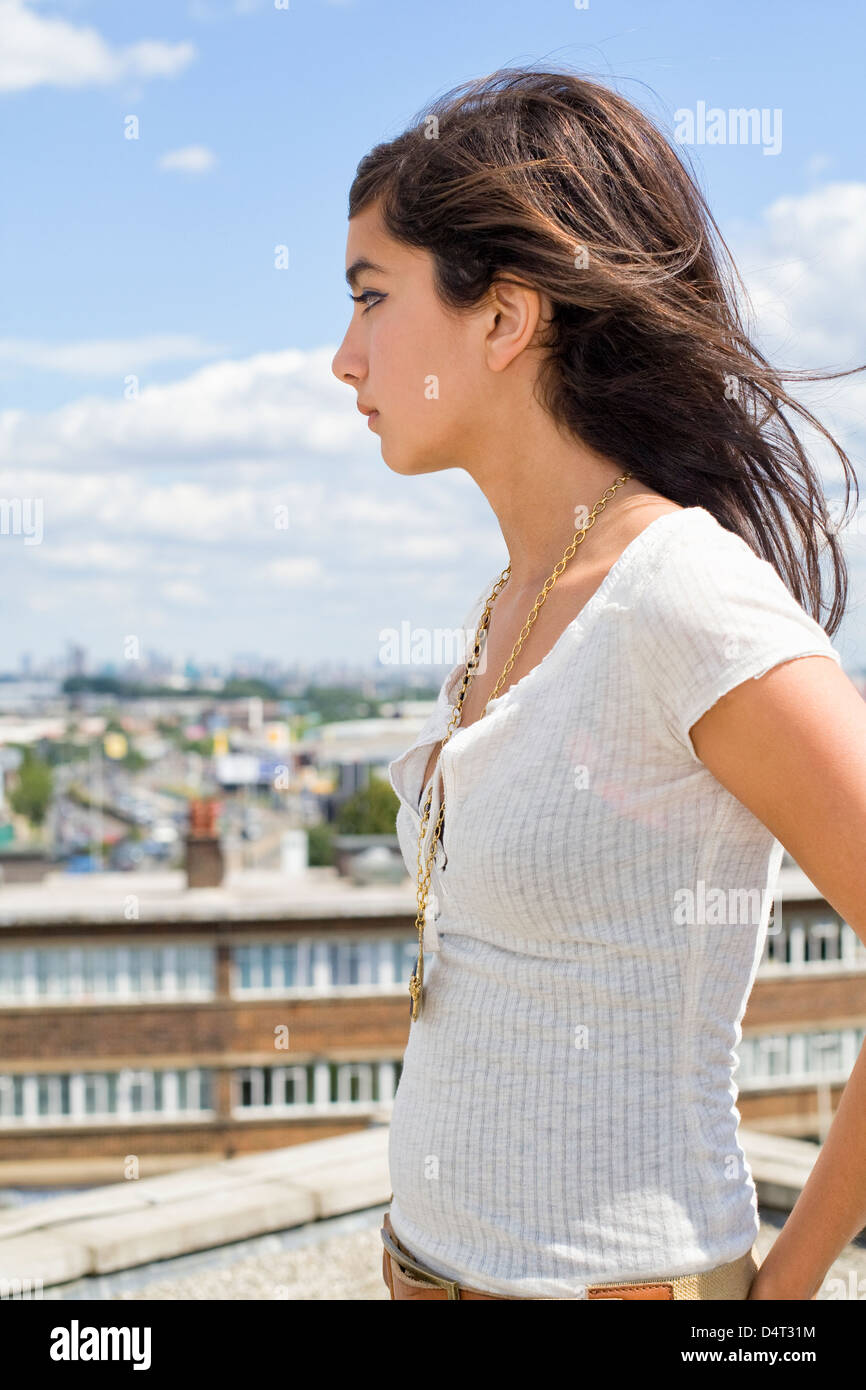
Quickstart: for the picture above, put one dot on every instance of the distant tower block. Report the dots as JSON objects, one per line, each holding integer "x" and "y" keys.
{"x": 204, "y": 856}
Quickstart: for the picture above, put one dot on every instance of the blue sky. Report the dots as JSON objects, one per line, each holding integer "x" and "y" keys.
{"x": 152, "y": 260}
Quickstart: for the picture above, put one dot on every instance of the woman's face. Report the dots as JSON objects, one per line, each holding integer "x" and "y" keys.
{"x": 420, "y": 367}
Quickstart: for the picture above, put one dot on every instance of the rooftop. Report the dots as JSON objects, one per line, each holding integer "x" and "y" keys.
{"x": 244, "y": 895}
{"x": 252, "y": 1227}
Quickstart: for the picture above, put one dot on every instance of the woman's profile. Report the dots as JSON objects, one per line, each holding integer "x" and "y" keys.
{"x": 650, "y": 708}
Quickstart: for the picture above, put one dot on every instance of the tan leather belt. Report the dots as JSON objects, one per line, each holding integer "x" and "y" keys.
{"x": 406, "y": 1277}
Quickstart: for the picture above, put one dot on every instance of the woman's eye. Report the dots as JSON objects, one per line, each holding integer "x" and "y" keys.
{"x": 362, "y": 298}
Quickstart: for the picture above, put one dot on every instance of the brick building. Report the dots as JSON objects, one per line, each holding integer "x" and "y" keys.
{"x": 140, "y": 1017}
{"x": 806, "y": 1017}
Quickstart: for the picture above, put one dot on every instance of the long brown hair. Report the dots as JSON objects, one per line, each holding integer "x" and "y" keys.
{"x": 555, "y": 181}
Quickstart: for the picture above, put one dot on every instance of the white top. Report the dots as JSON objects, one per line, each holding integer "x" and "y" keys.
{"x": 566, "y": 1112}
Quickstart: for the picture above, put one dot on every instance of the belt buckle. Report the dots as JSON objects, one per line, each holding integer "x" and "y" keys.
{"x": 451, "y": 1285}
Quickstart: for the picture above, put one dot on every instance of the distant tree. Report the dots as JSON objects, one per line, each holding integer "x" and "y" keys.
{"x": 333, "y": 704}
{"x": 31, "y": 795}
{"x": 172, "y": 733}
{"x": 321, "y": 845}
{"x": 100, "y": 685}
{"x": 371, "y": 811}
{"x": 204, "y": 746}
{"x": 132, "y": 760}
{"x": 237, "y": 686}
{"x": 56, "y": 751}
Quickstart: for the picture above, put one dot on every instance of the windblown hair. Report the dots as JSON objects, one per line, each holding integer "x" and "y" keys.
{"x": 554, "y": 181}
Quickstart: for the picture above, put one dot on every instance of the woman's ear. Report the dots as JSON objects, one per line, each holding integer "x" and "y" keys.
{"x": 515, "y": 312}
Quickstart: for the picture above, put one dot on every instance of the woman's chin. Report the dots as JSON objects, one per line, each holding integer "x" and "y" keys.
{"x": 404, "y": 464}
{"x": 410, "y": 465}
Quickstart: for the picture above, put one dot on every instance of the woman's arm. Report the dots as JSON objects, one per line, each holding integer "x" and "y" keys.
{"x": 791, "y": 746}
{"x": 830, "y": 1209}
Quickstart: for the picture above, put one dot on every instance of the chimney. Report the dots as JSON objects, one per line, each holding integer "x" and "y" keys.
{"x": 204, "y": 856}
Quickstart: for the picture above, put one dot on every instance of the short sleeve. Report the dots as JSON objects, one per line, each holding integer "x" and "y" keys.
{"x": 711, "y": 614}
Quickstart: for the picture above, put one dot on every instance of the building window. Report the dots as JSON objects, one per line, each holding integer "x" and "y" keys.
{"x": 11, "y": 975}
{"x": 105, "y": 974}
{"x": 322, "y": 965}
{"x": 52, "y": 1096}
{"x": 345, "y": 963}
{"x": 100, "y": 1093}
{"x": 298, "y": 1086}
{"x": 813, "y": 937}
{"x": 96, "y": 1097}
{"x": 405, "y": 953}
{"x": 797, "y": 1058}
{"x": 96, "y": 973}
{"x": 317, "y": 1087}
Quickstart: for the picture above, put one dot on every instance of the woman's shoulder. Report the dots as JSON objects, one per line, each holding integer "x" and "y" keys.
{"x": 707, "y": 613}
{"x": 697, "y": 560}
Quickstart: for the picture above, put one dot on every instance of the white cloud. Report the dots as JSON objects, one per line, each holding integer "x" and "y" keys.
{"x": 167, "y": 509}
{"x": 806, "y": 268}
{"x": 47, "y": 51}
{"x": 207, "y": 11}
{"x": 189, "y": 595}
{"x": 133, "y": 509}
{"x": 818, "y": 163}
{"x": 92, "y": 554}
{"x": 293, "y": 572}
{"x": 270, "y": 406}
{"x": 192, "y": 159}
{"x": 107, "y": 356}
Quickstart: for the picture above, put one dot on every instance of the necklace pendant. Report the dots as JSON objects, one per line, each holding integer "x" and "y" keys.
{"x": 415, "y": 987}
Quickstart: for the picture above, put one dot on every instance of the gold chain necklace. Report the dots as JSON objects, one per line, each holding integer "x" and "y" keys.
{"x": 417, "y": 981}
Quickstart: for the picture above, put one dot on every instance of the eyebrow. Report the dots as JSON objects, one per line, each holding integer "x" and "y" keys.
{"x": 358, "y": 267}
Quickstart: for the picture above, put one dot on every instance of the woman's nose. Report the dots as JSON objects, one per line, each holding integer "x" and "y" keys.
{"x": 346, "y": 364}
{"x": 337, "y": 364}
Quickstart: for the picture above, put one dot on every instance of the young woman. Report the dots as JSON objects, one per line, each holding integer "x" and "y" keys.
{"x": 596, "y": 808}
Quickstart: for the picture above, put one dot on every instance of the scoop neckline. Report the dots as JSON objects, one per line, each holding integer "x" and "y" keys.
{"x": 618, "y": 569}
{"x": 438, "y": 721}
